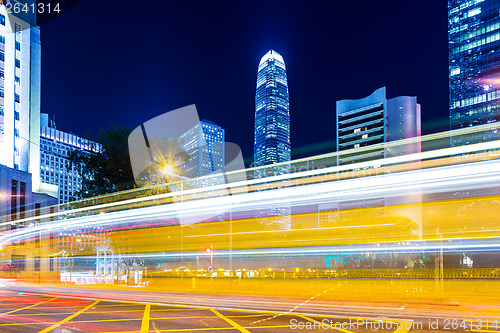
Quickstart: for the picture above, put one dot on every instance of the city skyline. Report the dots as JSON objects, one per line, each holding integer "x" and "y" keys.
{"x": 356, "y": 209}
{"x": 207, "y": 80}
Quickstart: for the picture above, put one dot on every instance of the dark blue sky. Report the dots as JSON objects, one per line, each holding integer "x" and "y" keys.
{"x": 125, "y": 62}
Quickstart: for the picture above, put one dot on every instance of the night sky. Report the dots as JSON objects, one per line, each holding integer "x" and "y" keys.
{"x": 125, "y": 62}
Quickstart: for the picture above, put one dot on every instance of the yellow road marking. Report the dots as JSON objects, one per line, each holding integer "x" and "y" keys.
{"x": 246, "y": 316}
{"x": 230, "y": 322}
{"x": 183, "y": 330}
{"x": 122, "y": 332}
{"x": 404, "y": 326}
{"x": 166, "y": 310}
{"x": 105, "y": 320}
{"x": 98, "y": 312}
{"x": 315, "y": 321}
{"x": 119, "y": 304}
{"x": 216, "y": 329}
{"x": 274, "y": 326}
{"x": 48, "y": 329}
{"x": 145, "y": 319}
{"x": 198, "y": 329}
{"x": 27, "y": 307}
{"x": 126, "y": 319}
{"x": 159, "y": 318}
{"x": 170, "y": 310}
{"x": 206, "y": 329}
{"x": 69, "y": 307}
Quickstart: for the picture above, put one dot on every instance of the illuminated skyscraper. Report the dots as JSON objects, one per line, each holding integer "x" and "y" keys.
{"x": 272, "y": 131}
{"x": 373, "y": 121}
{"x": 20, "y": 69}
{"x": 374, "y": 128}
{"x": 20, "y": 63}
{"x": 204, "y": 144}
{"x": 272, "y": 114}
{"x": 474, "y": 65}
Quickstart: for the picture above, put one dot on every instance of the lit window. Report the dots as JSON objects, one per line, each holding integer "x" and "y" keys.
{"x": 455, "y": 71}
{"x": 474, "y": 12}
{"x": 364, "y": 136}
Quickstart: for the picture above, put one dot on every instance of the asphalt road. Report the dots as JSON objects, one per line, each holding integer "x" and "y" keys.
{"x": 25, "y": 309}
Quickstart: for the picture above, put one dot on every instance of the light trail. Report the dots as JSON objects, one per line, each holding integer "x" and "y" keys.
{"x": 430, "y": 155}
{"x": 485, "y": 174}
{"x": 416, "y": 216}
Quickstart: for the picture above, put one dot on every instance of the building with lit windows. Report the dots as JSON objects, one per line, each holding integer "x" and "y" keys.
{"x": 204, "y": 144}
{"x": 272, "y": 131}
{"x": 20, "y": 63}
{"x": 20, "y": 68}
{"x": 474, "y": 66}
{"x": 373, "y": 121}
{"x": 55, "y": 147}
{"x": 373, "y": 128}
{"x": 272, "y": 113}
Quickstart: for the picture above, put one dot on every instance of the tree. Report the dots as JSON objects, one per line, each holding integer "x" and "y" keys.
{"x": 107, "y": 171}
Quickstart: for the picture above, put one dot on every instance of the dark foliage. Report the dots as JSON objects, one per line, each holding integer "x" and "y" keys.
{"x": 106, "y": 172}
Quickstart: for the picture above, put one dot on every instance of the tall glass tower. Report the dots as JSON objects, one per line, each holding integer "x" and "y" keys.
{"x": 272, "y": 116}
{"x": 474, "y": 65}
{"x": 272, "y": 133}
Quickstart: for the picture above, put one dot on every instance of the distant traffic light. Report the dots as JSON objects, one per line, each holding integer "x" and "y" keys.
{"x": 208, "y": 250}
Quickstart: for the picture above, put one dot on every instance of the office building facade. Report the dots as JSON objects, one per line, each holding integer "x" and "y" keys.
{"x": 20, "y": 62}
{"x": 474, "y": 66}
{"x": 272, "y": 113}
{"x": 55, "y": 170}
{"x": 374, "y": 128}
{"x": 204, "y": 144}
{"x": 20, "y": 76}
{"x": 375, "y": 120}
